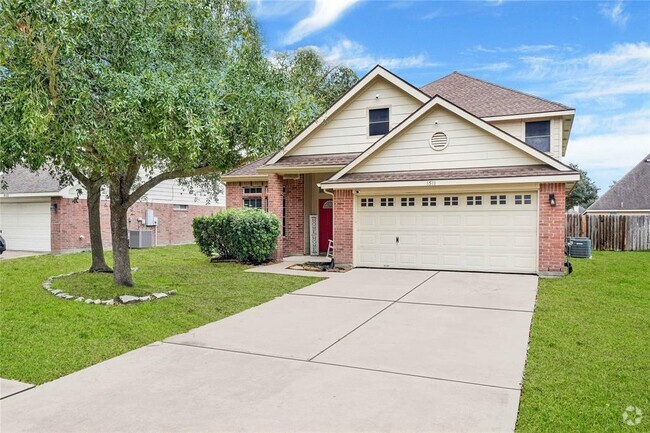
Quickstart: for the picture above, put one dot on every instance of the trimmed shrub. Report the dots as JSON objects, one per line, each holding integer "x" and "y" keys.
{"x": 246, "y": 235}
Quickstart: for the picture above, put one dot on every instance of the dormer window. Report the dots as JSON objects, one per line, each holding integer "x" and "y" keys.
{"x": 538, "y": 135}
{"x": 379, "y": 123}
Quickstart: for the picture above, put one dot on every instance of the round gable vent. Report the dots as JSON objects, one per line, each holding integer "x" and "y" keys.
{"x": 439, "y": 141}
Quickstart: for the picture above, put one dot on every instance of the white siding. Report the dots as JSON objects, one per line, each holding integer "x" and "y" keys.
{"x": 469, "y": 146}
{"x": 347, "y": 130}
{"x": 517, "y": 128}
{"x": 168, "y": 191}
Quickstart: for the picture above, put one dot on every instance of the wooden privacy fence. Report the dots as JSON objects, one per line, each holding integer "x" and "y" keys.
{"x": 611, "y": 232}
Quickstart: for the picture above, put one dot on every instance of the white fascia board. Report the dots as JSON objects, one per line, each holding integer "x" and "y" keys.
{"x": 305, "y": 169}
{"x": 529, "y": 116}
{"x": 251, "y": 178}
{"x": 377, "y": 71}
{"x": 446, "y": 182}
{"x": 618, "y": 211}
{"x": 439, "y": 101}
{"x": 30, "y": 194}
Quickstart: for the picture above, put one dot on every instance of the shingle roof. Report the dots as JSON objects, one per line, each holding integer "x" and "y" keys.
{"x": 485, "y": 99}
{"x": 632, "y": 192}
{"x": 23, "y": 181}
{"x": 449, "y": 174}
{"x": 250, "y": 169}
{"x": 310, "y": 160}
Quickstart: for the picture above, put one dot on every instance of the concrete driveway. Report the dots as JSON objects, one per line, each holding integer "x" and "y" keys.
{"x": 371, "y": 350}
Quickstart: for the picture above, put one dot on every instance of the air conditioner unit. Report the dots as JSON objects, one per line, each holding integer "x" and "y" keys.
{"x": 140, "y": 238}
{"x": 580, "y": 247}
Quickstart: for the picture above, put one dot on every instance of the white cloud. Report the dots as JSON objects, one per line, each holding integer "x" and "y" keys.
{"x": 323, "y": 14}
{"x": 524, "y": 48}
{"x": 491, "y": 67}
{"x": 615, "y": 12}
{"x": 356, "y": 56}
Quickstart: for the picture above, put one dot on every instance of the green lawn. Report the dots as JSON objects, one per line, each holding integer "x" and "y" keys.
{"x": 43, "y": 337}
{"x": 589, "y": 355}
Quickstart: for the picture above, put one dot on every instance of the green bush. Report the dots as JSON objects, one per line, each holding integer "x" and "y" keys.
{"x": 246, "y": 235}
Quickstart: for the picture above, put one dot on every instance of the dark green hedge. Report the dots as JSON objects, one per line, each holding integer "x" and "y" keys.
{"x": 246, "y": 235}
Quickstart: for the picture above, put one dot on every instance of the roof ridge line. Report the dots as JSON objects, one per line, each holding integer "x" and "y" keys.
{"x": 512, "y": 90}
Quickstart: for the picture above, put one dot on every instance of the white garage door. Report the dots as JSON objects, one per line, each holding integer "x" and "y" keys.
{"x": 26, "y": 225}
{"x": 477, "y": 232}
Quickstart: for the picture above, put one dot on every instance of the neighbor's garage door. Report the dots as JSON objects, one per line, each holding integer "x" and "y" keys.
{"x": 26, "y": 225}
{"x": 475, "y": 232}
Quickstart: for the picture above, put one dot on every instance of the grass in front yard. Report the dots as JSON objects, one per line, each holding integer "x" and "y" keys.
{"x": 589, "y": 356}
{"x": 43, "y": 337}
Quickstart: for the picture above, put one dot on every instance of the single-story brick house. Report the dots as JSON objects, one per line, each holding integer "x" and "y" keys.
{"x": 38, "y": 214}
{"x": 460, "y": 174}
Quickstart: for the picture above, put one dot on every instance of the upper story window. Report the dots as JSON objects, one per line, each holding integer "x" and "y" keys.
{"x": 379, "y": 123}
{"x": 538, "y": 135}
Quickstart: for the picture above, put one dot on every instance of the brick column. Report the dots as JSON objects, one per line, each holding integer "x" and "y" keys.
{"x": 234, "y": 194}
{"x": 275, "y": 184}
{"x": 343, "y": 226}
{"x": 294, "y": 240}
{"x": 552, "y": 228}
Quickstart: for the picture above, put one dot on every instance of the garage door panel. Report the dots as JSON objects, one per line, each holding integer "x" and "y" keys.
{"x": 26, "y": 225}
{"x": 499, "y": 238}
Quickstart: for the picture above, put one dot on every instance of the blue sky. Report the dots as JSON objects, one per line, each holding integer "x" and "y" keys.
{"x": 593, "y": 56}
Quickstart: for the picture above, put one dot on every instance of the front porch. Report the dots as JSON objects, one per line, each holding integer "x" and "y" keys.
{"x": 310, "y": 217}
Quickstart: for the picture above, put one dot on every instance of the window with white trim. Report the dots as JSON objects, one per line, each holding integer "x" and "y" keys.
{"x": 252, "y": 190}
{"x": 367, "y": 202}
{"x": 408, "y": 201}
{"x": 386, "y": 202}
{"x": 253, "y": 202}
{"x": 474, "y": 200}
{"x": 180, "y": 207}
{"x": 538, "y": 135}
{"x": 451, "y": 201}
{"x": 378, "y": 121}
{"x": 428, "y": 201}
{"x": 498, "y": 199}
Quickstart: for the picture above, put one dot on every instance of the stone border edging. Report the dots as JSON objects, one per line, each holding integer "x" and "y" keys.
{"x": 120, "y": 300}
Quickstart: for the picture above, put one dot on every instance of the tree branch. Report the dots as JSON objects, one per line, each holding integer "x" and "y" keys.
{"x": 174, "y": 174}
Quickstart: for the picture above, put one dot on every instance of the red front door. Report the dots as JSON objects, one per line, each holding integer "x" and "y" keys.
{"x": 325, "y": 223}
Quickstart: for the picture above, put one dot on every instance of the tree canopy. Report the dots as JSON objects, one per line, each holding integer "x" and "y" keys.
{"x": 585, "y": 193}
{"x": 135, "y": 92}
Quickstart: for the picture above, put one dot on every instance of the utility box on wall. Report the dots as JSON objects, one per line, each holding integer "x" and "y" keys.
{"x": 149, "y": 218}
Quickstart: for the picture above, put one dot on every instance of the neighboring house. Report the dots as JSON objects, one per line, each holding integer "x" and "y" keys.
{"x": 460, "y": 174}
{"x": 628, "y": 196}
{"x": 37, "y": 214}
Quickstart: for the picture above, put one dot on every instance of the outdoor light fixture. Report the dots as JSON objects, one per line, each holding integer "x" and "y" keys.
{"x": 54, "y": 207}
{"x": 551, "y": 200}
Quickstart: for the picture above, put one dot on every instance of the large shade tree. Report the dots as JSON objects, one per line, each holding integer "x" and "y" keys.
{"x": 585, "y": 192}
{"x": 136, "y": 92}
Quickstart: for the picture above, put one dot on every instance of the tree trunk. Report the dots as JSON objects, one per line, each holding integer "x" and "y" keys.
{"x": 119, "y": 236}
{"x": 94, "y": 224}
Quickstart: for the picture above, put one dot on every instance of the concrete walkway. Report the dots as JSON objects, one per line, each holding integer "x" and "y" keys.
{"x": 369, "y": 350}
{"x": 10, "y": 387}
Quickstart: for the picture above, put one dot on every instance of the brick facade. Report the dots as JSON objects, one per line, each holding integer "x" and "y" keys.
{"x": 294, "y": 199}
{"x": 69, "y": 224}
{"x": 343, "y": 226}
{"x": 551, "y": 229}
{"x": 275, "y": 186}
